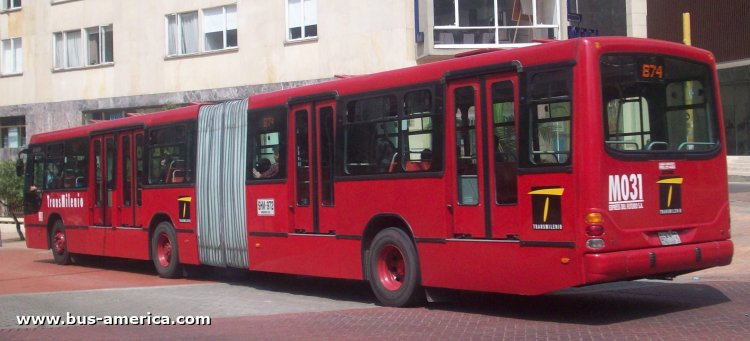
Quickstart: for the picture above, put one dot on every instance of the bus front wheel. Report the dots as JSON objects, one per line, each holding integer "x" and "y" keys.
{"x": 164, "y": 251}
{"x": 394, "y": 269}
{"x": 59, "y": 243}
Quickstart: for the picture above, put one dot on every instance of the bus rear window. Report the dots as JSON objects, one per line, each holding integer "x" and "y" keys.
{"x": 656, "y": 104}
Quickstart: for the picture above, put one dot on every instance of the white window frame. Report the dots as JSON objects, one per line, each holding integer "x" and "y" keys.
{"x": 305, "y": 15}
{"x": 20, "y": 132}
{"x": 224, "y": 29}
{"x": 16, "y": 57}
{"x": 497, "y": 27}
{"x": 102, "y": 30}
{"x": 7, "y": 5}
{"x": 201, "y": 39}
{"x": 178, "y": 36}
{"x": 83, "y": 48}
{"x": 65, "y": 61}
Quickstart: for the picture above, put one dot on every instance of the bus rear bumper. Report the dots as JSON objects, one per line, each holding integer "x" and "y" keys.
{"x": 619, "y": 265}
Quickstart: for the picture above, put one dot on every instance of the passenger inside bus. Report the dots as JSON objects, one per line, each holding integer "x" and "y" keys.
{"x": 164, "y": 167}
{"x": 53, "y": 177}
{"x": 265, "y": 169}
{"x": 425, "y": 159}
{"x": 422, "y": 164}
{"x": 385, "y": 154}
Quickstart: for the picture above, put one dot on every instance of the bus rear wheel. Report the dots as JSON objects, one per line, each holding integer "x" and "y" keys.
{"x": 59, "y": 243}
{"x": 394, "y": 269}
{"x": 164, "y": 251}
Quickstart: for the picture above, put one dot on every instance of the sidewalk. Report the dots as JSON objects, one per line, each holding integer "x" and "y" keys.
{"x": 8, "y": 232}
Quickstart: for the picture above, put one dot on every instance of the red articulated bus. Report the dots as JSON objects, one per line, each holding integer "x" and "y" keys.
{"x": 521, "y": 171}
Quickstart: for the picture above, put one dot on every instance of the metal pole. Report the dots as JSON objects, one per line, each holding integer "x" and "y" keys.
{"x": 686, "y": 29}
{"x": 688, "y": 85}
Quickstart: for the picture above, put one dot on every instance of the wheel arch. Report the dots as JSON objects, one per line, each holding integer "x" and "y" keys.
{"x": 157, "y": 219}
{"x": 376, "y": 224}
{"x": 53, "y": 218}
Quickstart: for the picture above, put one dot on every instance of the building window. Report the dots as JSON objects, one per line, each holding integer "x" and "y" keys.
{"x": 302, "y": 19}
{"x": 113, "y": 114}
{"x": 69, "y": 47}
{"x": 12, "y": 57}
{"x": 182, "y": 33}
{"x": 494, "y": 22}
{"x": 99, "y": 45}
{"x": 96, "y": 116}
{"x": 13, "y": 130}
{"x": 220, "y": 28}
{"x": 11, "y": 4}
{"x": 735, "y": 85}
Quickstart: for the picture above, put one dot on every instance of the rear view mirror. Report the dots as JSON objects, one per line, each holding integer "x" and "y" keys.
{"x": 19, "y": 163}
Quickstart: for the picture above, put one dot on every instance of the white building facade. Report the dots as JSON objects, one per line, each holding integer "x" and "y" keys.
{"x": 64, "y": 63}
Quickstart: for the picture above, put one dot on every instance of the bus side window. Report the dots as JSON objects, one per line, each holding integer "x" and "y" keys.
{"x": 466, "y": 145}
{"x": 169, "y": 159}
{"x": 76, "y": 167}
{"x": 549, "y": 118}
{"x": 372, "y": 136}
{"x": 506, "y": 150}
{"x": 420, "y": 137}
{"x": 54, "y": 166}
{"x": 266, "y": 152}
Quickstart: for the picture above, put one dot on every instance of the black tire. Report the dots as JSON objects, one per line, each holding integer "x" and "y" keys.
{"x": 393, "y": 269}
{"x": 59, "y": 244}
{"x": 164, "y": 251}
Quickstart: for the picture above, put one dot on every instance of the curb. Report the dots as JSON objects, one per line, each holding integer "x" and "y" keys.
{"x": 739, "y": 178}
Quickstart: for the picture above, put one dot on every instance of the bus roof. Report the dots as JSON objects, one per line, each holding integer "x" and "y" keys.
{"x": 174, "y": 115}
{"x": 548, "y": 52}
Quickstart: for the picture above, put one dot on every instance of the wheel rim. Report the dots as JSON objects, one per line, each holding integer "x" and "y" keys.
{"x": 391, "y": 267}
{"x": 59, "y": 243}
{"x": 164, "y": 250}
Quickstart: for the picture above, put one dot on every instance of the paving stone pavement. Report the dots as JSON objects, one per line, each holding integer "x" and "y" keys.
{"x": 712, "y": 304}
{"x": 632, "y": 311}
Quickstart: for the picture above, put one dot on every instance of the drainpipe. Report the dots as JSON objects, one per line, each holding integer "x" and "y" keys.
{"x": 418, "y": 36}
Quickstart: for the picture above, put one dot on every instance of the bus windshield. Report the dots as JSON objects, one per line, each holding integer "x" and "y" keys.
{"x": 655, "y": 104}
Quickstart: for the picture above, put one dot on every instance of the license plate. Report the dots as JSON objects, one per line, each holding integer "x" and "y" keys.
{"x": 669, "y": 238}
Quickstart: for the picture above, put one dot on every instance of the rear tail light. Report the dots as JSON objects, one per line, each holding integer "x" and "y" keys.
{"x": 594, "y": 230}
{"x": 594, "y": 218}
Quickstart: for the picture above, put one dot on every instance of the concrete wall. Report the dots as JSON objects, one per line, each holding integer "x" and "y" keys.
{"x": 41, "y": 117}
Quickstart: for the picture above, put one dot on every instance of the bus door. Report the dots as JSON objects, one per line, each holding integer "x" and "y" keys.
{"x": 125, "y": 196}
{"x": 129, "y": 179}
{"x": 103, "y": 151}
{"x": 313, "y": 167}
{"x": 484, "y": 186}
{"x": 501, "y": 98}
